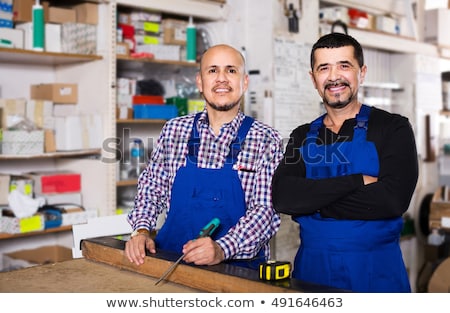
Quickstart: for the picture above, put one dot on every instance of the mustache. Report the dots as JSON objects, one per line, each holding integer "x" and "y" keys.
{"x": 222, "y": 86}
{"x": 337, "y": 83}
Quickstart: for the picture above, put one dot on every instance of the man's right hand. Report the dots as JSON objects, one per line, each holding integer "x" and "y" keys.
{"x": 135, "y": 248}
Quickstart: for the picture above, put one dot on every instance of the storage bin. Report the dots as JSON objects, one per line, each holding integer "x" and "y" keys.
{"x": 151, "y": 111}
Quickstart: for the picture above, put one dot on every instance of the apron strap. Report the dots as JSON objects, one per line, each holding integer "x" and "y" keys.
{"x": 235, "y": 146}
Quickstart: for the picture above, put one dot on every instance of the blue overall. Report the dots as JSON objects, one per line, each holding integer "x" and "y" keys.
{"x": 357, "y": 255}
{"x": 201, "y": 194}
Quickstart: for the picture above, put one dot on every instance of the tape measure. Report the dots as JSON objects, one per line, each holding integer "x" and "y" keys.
{"x": 274, "y": 270}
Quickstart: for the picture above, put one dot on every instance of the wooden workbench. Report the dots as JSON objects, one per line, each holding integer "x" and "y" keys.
{"x": 105, "y": 268}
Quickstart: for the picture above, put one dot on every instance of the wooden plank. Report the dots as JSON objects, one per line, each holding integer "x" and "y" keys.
{"x": 85, "y": 276}
{"x": 217, "y": 278}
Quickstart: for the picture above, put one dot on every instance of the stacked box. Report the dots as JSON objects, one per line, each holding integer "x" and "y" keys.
{"x": 57, "y": 93}
{"x": 56, "y": 182}
{"x": 15, "y": 225}
{"x": 161, "y": 52}
{"x": 20, "y": 142}
{"x": 79, "y": 38}
{"x": 174, "y": 31}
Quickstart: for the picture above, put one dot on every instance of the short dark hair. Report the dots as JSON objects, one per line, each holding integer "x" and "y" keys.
{"x": 337, "y": 40}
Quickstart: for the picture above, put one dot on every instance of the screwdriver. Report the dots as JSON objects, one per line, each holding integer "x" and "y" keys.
{"x": 205, "y": 232}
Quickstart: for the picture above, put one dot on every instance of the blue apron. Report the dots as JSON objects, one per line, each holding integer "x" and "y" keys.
{"x": 201, "y": 194}
{"x": 357, "y": 255}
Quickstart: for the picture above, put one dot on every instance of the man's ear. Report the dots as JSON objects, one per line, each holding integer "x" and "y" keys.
{"x": 312, "y": 79}
{"x": 198, "y": 81}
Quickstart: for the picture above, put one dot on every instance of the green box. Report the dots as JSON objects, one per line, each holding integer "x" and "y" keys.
{"x": 180, "y": 103}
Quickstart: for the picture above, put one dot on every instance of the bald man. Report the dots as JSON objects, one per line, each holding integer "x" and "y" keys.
{"x": 217, "y": 163}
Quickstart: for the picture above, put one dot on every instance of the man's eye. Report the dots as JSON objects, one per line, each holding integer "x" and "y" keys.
{"x": 232, "y": 70}
{"x": 345, "y": 66}
{"x": 322, "y": 69}
{"x": 212, "y": 70}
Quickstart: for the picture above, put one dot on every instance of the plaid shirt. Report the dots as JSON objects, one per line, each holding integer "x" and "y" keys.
{"x": 260, "y": 154}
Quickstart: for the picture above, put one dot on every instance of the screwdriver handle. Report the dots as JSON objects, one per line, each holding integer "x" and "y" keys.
{"x": 209, "y": 228}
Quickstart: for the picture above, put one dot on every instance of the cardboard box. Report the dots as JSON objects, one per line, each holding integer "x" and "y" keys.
{"x": 58, "y": 93}
{"x": 49, "y": 141}
{"x": 10, "y": 109}
{"x": 4, "y": 188}
{"x": 20, "y": 142}
{"x": 38, "y": 256}
{"x": 51, "y": 182}
{"x": 122, "y": 49}
{"x": 124, "y": 113}
{"x": 60, "y": 15}
{"x": 174, "y": 32}
{"x": 22, "y": 10}
{"x": 86, "y": 13}
{"x": 40, "y": 113}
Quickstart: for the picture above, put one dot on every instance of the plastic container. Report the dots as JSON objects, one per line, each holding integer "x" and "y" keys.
{"x": 152, "y": 111}
{"x": 435, "y": 238}
{"x": 38, "y": 27}
{"x": 191, "y": 41}
{"x": 137, "y": 160}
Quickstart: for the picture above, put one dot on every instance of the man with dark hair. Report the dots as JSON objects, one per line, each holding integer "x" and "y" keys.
{"x": 347, "y": 178}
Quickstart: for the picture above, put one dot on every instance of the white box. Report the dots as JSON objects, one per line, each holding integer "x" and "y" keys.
{"x": 437, "y": 25}
{"x": 61, "y": 198}
{"x": 161, "y": 52}
{"x": 60, "y": 110}
{"x": 13, "y": 35}
{"x": 386, "y": 24}
{"x": 53, "y": 37}
{"x": 27, "y": 29}
{"x": 68, "y": 133}
{"x": 79, "y": 38}
{"x": 19, "y": 142}
{"x": 78, "y": 132}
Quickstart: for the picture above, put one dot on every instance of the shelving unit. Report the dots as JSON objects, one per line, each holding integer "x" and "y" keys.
{"x": 141, "y": 67}
{"x": 22, "y": 68}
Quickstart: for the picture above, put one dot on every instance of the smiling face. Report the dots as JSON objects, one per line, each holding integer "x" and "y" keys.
{"x": 222, "y": 79}
{"x": 337, "y": 76}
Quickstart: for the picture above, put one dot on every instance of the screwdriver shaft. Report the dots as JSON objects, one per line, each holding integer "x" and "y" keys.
{"x": 169, "y": 270}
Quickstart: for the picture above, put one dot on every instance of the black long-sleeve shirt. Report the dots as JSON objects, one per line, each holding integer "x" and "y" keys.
{"x": 347, "y": 197}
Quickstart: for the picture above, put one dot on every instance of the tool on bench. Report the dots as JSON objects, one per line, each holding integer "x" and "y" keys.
{"x": 205, "y": 232}
{"x": 274, "y": 270}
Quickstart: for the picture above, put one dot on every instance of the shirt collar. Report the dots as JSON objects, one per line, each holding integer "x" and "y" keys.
{"x": 233, "y": 125}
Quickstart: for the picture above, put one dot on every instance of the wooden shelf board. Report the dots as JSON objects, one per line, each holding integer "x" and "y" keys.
{"x": 156, "y": 61}
{"x": 21, "y": 56}
{"x": 36, "y": 233}
{"x": 141, "y": 121}
{"x": 50, "y": 155}
{"x": 126, "y": 183}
